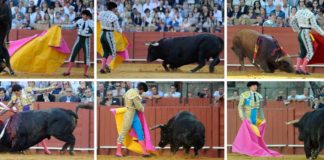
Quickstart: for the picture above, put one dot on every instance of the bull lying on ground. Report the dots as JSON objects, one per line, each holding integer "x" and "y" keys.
{"x": 269, "y": 56}
{"x": 26, "y": 129}
{"x": 180, "y": 51}
{"x": 311, "y": 127}
{"x": 183, "y": 130}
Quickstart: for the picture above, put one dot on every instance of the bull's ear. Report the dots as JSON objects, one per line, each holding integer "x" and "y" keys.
{"x": 147, "y": 44}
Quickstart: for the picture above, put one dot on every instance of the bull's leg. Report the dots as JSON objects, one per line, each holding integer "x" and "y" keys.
{"x": 196, "y": 149}
{"x": 174, "y": 148}
{"x": 187, "y": 149}
{"x": 201, "y": 64}
{"x": 7, "y": 59}
{"x": 72, "y": 145}
{"x": 307, "y": 149}
{"x": 240, "y": 56}
{"x": 165, "y": 66}
{"x": 65, "y": 146}
{"x": 266, "y": 68}
{"x": 213, "y": 64}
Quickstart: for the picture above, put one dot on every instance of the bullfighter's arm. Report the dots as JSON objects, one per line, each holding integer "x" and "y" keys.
{"x": 138, "y": 104}
{"x": 315, "y": 26}
{"x": 294, "y": 24}
{"x": 117, "y": 27}
{"x": 4, "y": 106}
{"x": 241, "y": 107}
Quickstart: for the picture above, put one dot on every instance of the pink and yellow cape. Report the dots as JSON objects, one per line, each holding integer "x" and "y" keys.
{"x": 121, "y": 47}
{"x": 250, "y": 141}
{"x": 41, "y": 53}
{"x": 130, "y": 141}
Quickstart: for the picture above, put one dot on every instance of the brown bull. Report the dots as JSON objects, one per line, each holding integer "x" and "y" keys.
{"x": 263, "y": 51}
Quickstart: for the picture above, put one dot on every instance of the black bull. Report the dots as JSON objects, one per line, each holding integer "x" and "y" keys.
{"x": 180, "y": 51}
{"x": 182, "y": 130}
{"x": 311, "y": 132}
{"x": 26, "y": 129}
{"x": 5, "y": 26}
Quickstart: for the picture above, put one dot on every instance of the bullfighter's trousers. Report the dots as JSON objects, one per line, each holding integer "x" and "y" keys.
{"x": 84, "y": 43}
{"x": 305, "y": 44}
{"x": 131, "y": 120}
{"x": 108, "y": 43}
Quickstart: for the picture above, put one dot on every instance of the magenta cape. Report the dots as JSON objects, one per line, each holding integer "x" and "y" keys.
{"x": 248, "y": 143}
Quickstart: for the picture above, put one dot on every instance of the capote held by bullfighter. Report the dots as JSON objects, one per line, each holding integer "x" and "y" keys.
{"x": 26, "y": 129}
{"x": 182, "y": 130}
{"x": 263, "y": 51}
{"x": 179, "y": 51}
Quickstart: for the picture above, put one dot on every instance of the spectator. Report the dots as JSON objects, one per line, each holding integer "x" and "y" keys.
{"x": 277, "y": 12}
{"x": 316, "y": 8}
{"x": 271, "y": 22}
{"x": 244, "y": 9}
{"x": 172, "y": 93}
{"x": 285, "y": 8}
{"x": 281, "y": 96}
{"x": 109, "y": 100}
{"x": 234, "y": 97}
{"x": 251, "y": 14}
{"x": 269, "y": 7}
{"x": 305, "y": 96}
{"x": 292, "y": 96}
{"x": 3, "y": 96}
{"x": 320, "y": 16}
{"x": 204, "y": 93}
{"x": 119, "y": 91}
{"x": 154, "y": 93}
{"x": 235, "y": 14}
{"x": 257, "y": 7}
{"x": 46, "y": 97}
{"x": 87, "y": 97}
{"x": 321, "y": 99}
{"x": 301, "y": 4}
{"x": 69, "y": 97}
{"x": 219, "y": 95}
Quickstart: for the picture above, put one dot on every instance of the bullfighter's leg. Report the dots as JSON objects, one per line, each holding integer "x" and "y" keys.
{"x": 165, "y": 66}
{"x": 75, "y": 51}
{"x": 201, "y": 64}
{"x": 213, "y": 64}
{"x": 307, "y": 42}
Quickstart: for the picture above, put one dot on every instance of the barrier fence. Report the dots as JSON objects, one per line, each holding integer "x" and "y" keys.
{"x": 278, "y": 135}
{"x": 211, "y": 116}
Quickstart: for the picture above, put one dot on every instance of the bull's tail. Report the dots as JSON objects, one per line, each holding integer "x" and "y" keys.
{"x": 83, "y": 106}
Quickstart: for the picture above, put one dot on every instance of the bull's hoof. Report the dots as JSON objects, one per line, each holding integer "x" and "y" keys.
{"x": 66, "y": 74}
{"x": 62, "y": 152}
{"x": 192, "y": 71}
{"x": 72, "y": 153}
{"x": 12, "y": 73}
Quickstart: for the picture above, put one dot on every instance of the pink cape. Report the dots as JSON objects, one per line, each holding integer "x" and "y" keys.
{"x": 148, "y": 143}
{"x": 246, "y": 142}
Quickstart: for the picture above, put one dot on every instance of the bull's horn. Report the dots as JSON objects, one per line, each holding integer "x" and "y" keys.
{"x": 147, "y": 43}
{"x": 292, "y": 122}
{"x": 155, "y": 44}
{"x": 157, "y": 126}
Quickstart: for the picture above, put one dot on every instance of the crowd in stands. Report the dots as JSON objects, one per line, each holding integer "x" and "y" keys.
{"x": 269, "y": 13}
{"x": 169, "y": 15}
{"x": 112, "y": 93}
{"x": 51, "y": 91}
{"x": 41, "y": 14}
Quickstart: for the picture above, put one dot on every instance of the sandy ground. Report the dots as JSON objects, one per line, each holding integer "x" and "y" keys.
{"x": 77, "y": 73}
{"x": 44, "y": 157}
{"x": 177, "y": 157}
{"x": 261, "y": 75}
{"x": 145, "y": 70}
{"x": 285, "y": 157}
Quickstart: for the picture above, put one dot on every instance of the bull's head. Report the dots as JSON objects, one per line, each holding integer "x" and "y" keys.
{"x": 153, "y": 51}
{"x": 284, "y": 64}
{"x": 300, "y": 127}
{"x": 165, "y": 135}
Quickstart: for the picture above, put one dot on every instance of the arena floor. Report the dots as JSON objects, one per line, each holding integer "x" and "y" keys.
{"x": 8, "y": 156}
{"x": 77, "y": 73}
{"x": 151, "y": 71}
{"x": 254, "y": 74}
{"x": 285, "y": 157}
{"x": 177, "y": 157}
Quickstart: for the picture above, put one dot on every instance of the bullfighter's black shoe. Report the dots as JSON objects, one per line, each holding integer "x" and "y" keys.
{"x": 146, "y": 155}
{"x": 66, "y": 74}
{"x": 102, "y": 71}
{"x": 298, "y": 71}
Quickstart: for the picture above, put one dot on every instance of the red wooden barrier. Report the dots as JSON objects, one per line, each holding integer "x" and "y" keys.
{"x": 211, "y": 117}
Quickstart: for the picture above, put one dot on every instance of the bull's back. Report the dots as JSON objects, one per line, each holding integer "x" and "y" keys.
{"x": 246, "y": 40}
